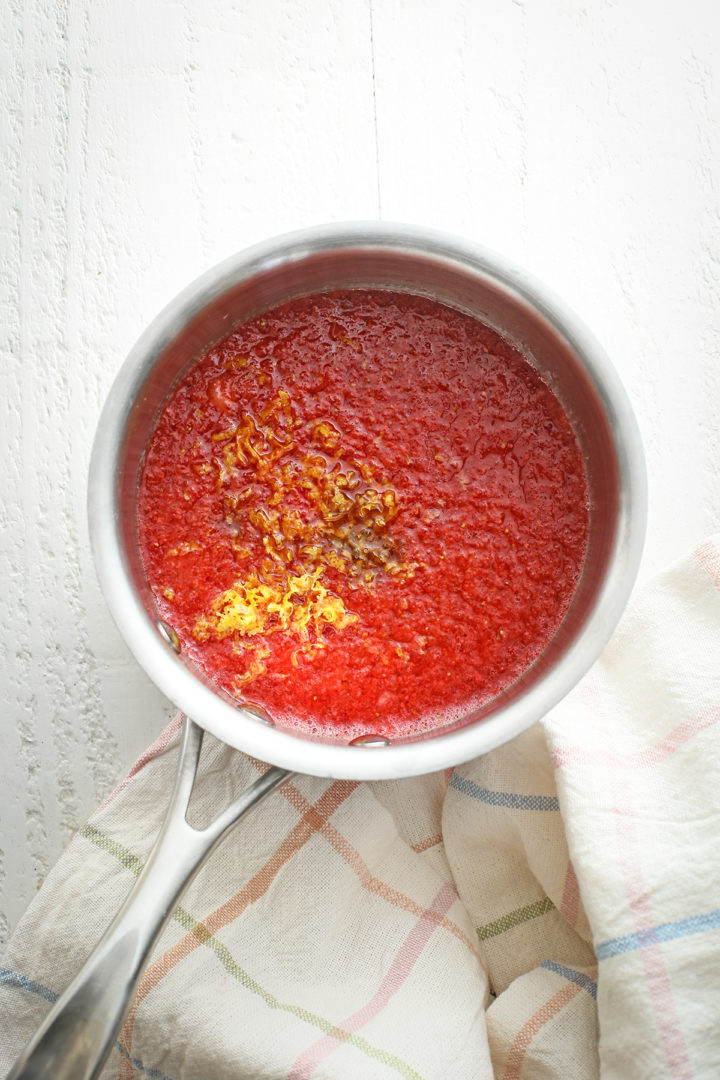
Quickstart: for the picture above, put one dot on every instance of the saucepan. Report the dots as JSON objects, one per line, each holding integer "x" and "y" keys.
{"x": 78, "y": 1033}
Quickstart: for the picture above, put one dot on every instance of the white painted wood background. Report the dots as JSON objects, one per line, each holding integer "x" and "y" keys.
{"x": 143, "y": 141}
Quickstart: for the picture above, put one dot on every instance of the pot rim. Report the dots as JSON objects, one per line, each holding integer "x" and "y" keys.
{"x": 237, "y": 726}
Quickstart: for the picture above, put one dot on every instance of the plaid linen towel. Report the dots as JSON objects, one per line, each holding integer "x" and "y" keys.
{"x": 550, "y": 910}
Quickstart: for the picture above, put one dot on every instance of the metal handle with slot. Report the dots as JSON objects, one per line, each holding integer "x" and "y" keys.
{"x": 79, "y": 1032}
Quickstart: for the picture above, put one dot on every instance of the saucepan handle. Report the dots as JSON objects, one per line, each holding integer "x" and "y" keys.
{"x": 78, "y": 1033}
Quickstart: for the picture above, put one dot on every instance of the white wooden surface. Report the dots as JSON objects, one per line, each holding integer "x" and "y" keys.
{"x": 144, "y": 141}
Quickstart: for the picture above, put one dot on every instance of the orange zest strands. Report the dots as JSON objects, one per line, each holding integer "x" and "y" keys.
{"x": 315, "y": 510}
{"x": 290, "y": 604}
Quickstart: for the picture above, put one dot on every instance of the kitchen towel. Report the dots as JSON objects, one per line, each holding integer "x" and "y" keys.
{"x": 549, "y": 910}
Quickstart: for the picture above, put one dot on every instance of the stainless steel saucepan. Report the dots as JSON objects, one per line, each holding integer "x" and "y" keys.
{"x": 77, "y": 1035}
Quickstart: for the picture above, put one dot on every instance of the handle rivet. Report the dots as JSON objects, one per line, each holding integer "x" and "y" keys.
{"x": 169, "y": 635}
{"x": 258, "y": 714}
{"x": 370, "y": 740}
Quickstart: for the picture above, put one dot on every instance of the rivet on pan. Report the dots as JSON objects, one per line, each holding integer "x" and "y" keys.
{"x": 170, "y": 635}
{"x": 370, "y": 740}
{"x": 259, "y": 714}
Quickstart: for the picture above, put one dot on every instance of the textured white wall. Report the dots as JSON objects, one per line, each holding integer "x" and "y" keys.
{"x": 144, "y": 141}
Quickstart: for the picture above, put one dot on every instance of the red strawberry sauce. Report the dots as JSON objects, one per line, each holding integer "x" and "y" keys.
{"x": 364, "y": 511}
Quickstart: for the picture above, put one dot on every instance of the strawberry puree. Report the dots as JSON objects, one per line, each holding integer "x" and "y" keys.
{"x": 364, "y": 511}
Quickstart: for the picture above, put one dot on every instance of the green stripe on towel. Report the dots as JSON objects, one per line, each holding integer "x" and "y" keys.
{"x": 515, "y": 918}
